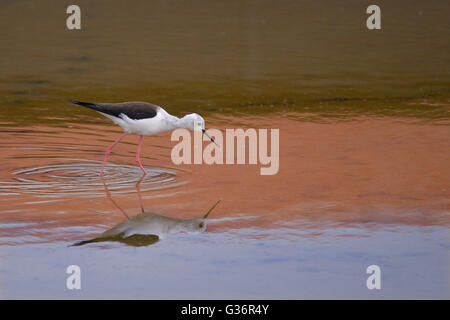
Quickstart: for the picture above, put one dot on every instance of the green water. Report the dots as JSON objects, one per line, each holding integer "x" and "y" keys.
{"x": 225, "y": 57}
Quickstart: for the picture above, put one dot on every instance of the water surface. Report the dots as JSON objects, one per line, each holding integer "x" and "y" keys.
{"x": 364, "y": 149}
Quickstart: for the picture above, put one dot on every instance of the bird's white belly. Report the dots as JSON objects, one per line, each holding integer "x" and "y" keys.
{"x": 145, "y": 127}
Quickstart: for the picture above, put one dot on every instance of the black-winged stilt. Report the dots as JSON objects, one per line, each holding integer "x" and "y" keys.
{"x": 143, "y": 119}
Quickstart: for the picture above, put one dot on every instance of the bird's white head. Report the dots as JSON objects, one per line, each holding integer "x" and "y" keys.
{"x": 195, "y": 122}
{"x": 194, "y": 225}
{"x": 198, "y": 224}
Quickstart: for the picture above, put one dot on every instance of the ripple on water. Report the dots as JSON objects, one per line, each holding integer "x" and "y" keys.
{"x": 82, "y": 178}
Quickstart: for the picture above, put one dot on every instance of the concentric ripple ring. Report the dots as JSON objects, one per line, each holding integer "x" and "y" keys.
{"x": 82, "y": 178}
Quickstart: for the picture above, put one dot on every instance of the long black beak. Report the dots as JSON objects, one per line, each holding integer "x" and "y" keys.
{"x": 212, "y": 208}
{"x": 206, "y": 134}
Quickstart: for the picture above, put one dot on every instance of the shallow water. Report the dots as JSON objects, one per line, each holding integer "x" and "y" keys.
{"x": 364, "y": 150}
{"x": 336, "y": 206}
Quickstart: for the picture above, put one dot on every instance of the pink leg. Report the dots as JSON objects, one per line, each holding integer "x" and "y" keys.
{"x": 108, "y": 151}
{"x": 138, "y": 155}
{"x": 108, "y": 194}
{"x": 138, "y": 189}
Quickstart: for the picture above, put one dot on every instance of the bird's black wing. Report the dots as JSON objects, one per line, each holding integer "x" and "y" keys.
{"x": 133, "y": 110}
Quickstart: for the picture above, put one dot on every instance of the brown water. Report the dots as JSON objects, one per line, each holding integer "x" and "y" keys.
{"x": 364, "y": 149}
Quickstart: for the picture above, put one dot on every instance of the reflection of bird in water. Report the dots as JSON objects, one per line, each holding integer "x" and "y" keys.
{"x": 147, "y": 228}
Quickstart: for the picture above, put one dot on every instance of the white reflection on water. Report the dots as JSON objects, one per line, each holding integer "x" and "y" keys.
{"x": 147, "y": 228}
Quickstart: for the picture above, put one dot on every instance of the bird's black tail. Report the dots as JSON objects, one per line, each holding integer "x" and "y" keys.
{"x": 80, "y": 243}
{"x": 89, "y": 105}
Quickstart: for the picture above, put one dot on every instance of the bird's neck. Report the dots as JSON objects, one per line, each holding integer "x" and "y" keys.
{"x": 184, "y": 122}
{"x": 174, "y": 122}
